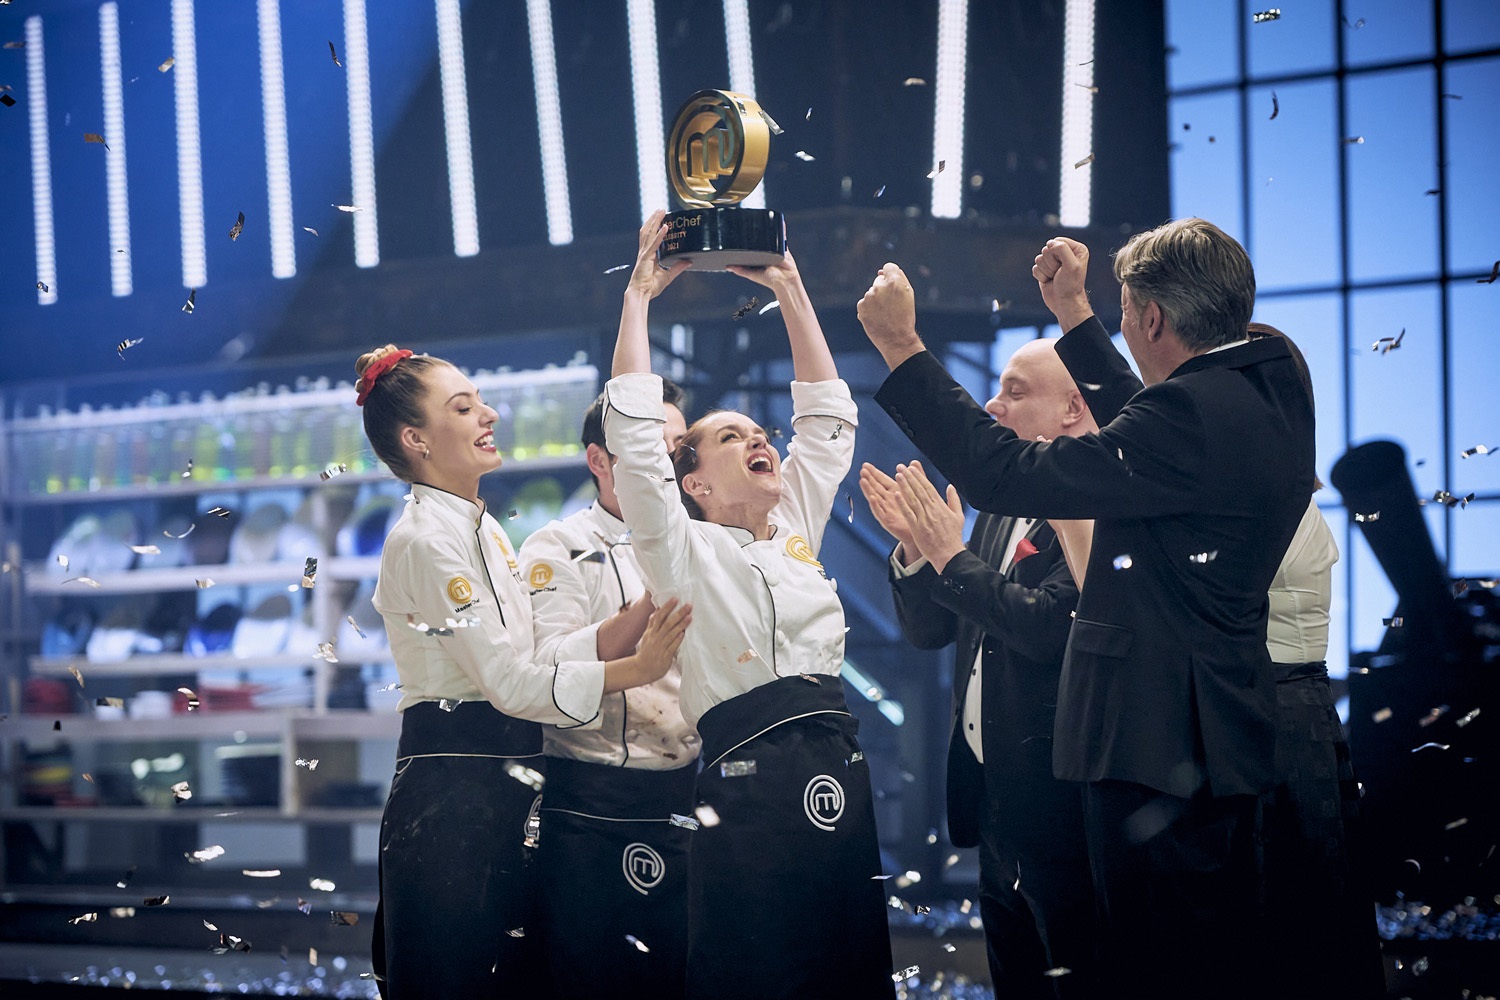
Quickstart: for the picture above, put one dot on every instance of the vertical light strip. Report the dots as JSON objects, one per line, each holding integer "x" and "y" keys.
{"x": 948, "y": 109}
{"x": 189, "y": 150}
{"x": 361, "y": 135}
{"x": 645, "y": 85}
{"x": 114, "y": 156}
{"x": 741, "y": 69}
{"x": 41, "y": 165}
{"x": 278, "y": 158}
{"x": 1073, "y": 202}
{"x": 450, "y": 32}
{"x": 549, "y": 123}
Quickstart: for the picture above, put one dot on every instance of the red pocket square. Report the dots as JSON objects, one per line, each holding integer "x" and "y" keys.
{"x": 1024, "y": 548}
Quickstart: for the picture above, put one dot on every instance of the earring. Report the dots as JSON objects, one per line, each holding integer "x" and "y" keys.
{"x": 707, "y": 490}
{"x": 426, "y": 452}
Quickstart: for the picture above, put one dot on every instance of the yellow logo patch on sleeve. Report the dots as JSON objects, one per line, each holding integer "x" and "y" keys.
{"x": 798, "y": 549}
{"x": 459, "y": 591}
{"x": 540, "y": 576}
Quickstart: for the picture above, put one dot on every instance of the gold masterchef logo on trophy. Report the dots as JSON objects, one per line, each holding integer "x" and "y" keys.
{"x": 716, "y": 156}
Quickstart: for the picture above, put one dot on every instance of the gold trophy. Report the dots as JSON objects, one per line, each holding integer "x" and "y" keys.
{"x": 716, "y": 155}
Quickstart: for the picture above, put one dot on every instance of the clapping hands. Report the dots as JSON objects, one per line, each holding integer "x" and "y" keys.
{"x": 912, "y": 510}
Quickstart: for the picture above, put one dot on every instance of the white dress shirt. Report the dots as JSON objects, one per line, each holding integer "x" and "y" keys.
{"x": 581, "y": 570}
{"x": 761, "y": 609}
{"x": 1302, "y": 593}
{"x": 447, "y": 560}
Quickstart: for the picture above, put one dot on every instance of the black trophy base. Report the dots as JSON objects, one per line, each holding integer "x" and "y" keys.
{"x": 714, "y": 238}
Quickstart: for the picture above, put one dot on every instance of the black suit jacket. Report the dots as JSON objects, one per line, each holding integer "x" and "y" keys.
{"x": 1196, "y": 488}
{"x": 1022, "y": 618}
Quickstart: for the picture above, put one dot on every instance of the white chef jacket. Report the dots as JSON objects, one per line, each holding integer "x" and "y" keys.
{"x": 1302, "y": 593}
{"x": 581, "y": 570}
{"x": 761, "y": 609}
{"x": 446, "y": 558}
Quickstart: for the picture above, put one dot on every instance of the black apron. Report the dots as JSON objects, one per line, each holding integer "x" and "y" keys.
{"x": 782, "y": 896}
{"x": 613, "y": 873}
{"x": 454, "y": 918}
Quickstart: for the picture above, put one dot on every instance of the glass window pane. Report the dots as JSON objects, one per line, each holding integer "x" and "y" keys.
{"x": 1373, "y": 596}
{"x": 1392, "y": 29}
{"x": 1294, "y": 185}
{"x": 1392, "y": 223}
{"x": 1202, "y": 44}
{"x": 1473, "y": 360}
{"x": 1299, "y": 41}
{"x": 1315, "y": 322}
{"x": 1470, "y": 25}
{"x": 1206, "y": 174}
{"x": 1470, "y": 123}
{"x": 1338, "y": 612}
{"x": 1476, "y": 540}
{"x": 1397, "y": 396}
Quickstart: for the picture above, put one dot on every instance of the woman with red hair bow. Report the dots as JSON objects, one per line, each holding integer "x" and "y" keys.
{"x": 453, "y": 841}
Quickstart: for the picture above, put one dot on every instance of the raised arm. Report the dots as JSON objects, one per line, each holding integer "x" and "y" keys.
{"x": 1102, "y": 374}
{"x": 812, "y": 361}
{"x": 647, "y": 280}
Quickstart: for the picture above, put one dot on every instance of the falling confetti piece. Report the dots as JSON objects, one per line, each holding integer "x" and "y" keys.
{"x": 773, "y": 304}
{"x": 261, "y": 872}
{"x": 1456, "y": 823}
{"x": 906, "y": 973}
{"x": 77, "y": 675}
{"x": 685, "y": 822}
{"x": 1381, "y": 715}
{"x": 850, "y": 499}
{"x": 86, "y": 918}
{"x": 771, "y": 123}
{"x": 109, "y": 702}
{"x": 1441, "y": 496}
{"x": 15, "y": 45}
{"x": 1203, "y": 557}
{"x": 512, "y": 514}
{"x": 311, "y": 765}
{"x": 1478, "y": 449}
{"x": 1432, "y": 716}
{"x": 7, "y": 100}
{"x": 95, "y": 137}
{"x": 1123, "y": 562}
{"x": 639, "y": 944}
{"x": 192, "y": 698}
{"x": 1262, "y": 16}
{"x": 122, "y": 911}
{"x": 204, "y": 583}
{"x": 86, "y": 580}
{"x": 124, "y": 880}
{"x": 1470, "y": 717}
{"x": 949, "y": 947}
{"x": 157, "y": 900}
{"x": 335, "y": 53}
{"x": 126, "y": 345}
{"x": 941, "y": 166}
{"x": 881, "y": 191}
{"x": 736, "y": 768}
{"x": 171, "y": 61}
{"x": 333, "y": 471}
{"x": 519, "y": 932}
{"x": 237, "y": 228}
{"x": 216, "y": 511}
{"x": 309, "y": 229}
{"x": 347, "y": 208}
{"x": 1355, "y": 26}
{"x": 1275, "y": 106}
{"x": 181, "y": 792}
{"x": 1063, "y": 970}
{"x": 805, "y": 156}
{"x": 325, "y": 652}
{"x": 914, "y": 81}
{"x": 42, "y": 286}
{"x": 707, "y": 815}
{"x": 1386, "y": 345}
{"x": 449, "y": 705}
{"x": 321, "y": 884}
{"x": 88, "y": 777}
{"x": 309, "y": 572}
{"x": 745, "y": 309}
{"x": 191, "y": 303}
{"x": 1085, "y": 161}
{"x": 1396, "y": 622}
{"x": 355, "y": 625}
{"x": 343, "y": 918}
{"x": 1367, "y": 518}
{"x": 1354, "y": 140}
{"x": 1494, "y": 275}
{"x": 146, "y": 550}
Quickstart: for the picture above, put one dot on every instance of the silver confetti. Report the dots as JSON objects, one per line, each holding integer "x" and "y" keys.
{"x": 321, "y": 884}
{"x": 146, "y": 550}
{"x": 192, "y": 698}
{"x": 1262, "y": 16}
{"x": 707, "y": 815}
{"x": 310, "y": 764}
{"x": 204, "y": 583}
{"x": 805, "y": 156}
{"x": 1431, "y": 746}
{"x": 238, "y": 228}
{"x": 1084, "y": 162}
{"x": 941, "y": 166}
{"x": 1123, "y": 562}
{"x": 449, "y": 705}
{"x": 906, "y": 973}
{"x": 639, "y": 944}
{"x": 1203, "y": 557}
{"x": 1470, "y": 717}
{"x": 126, "y": 345}
{"x": 216, "y": 511}
{"x": 736, "y": 768}
{"x": 325, "y": 652}
{"x": 355, "y": 625}
{"x": 771, "y": 123}
{"x": 519, "y": 932}
{"x": 618, "y": 267}
{"x": 1456, "y": 823}
{"x": 205, "y": 854}
{"x": 914, "y": 81}
{"x": 87, "y": 581}
{"x": 261, "y": 872}
{"x": 1381, "y": 715}
{"x": 336, "y": 469}
{"x": 86, "y": 918}
{"x": 1061, "y": 970}
{"x": 685, "y": 822}
{"x": 181, "y": 792}
{"x": 1396, "y": 622}
{"x": 1478, "y": 449}
{"x": 192, "y": 301}
{"x": 347, "y": 208}
{"x": 309, "y": 572}
{"x": 1367, "y": 518}
{"x": 309, "y": 229}
{"x": 528, "y": 776}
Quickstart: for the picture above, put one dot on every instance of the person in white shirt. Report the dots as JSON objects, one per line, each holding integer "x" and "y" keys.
{"x": 454, "y": 893}
{"x": 611, "y": 861}
{"x": 783, "y": 899}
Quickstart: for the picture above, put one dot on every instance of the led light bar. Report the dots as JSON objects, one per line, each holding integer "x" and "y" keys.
{"x": 450, "y": 32}
{"x": 948, "y": 109}
{"x": 116, "y": 191}
{"x": 549, "y": 123}
{"x": 278, "y": 156}
{"x": 645, "y": 84}
{"x": 361, "y": 135}
{"x": 41, "y": 165}
{"x": 1077, "y": 114}
{"x": 189, "y": 148}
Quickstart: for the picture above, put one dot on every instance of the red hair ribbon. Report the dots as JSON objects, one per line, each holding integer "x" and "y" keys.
{"x": 377, "y": 368}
